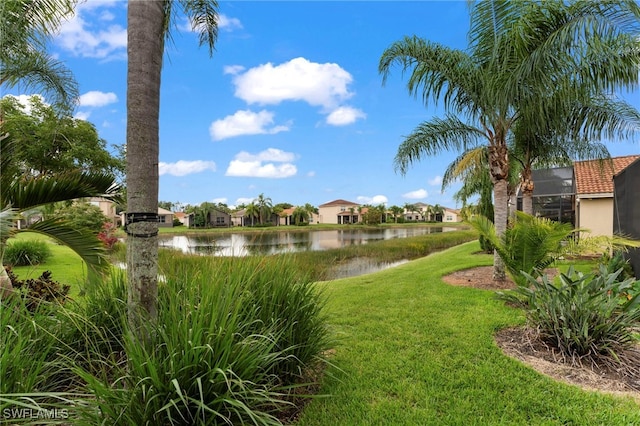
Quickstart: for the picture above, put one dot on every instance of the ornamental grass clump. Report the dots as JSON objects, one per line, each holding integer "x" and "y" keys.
{"x": 26, "y": 252}
{"x": 232, "y": 337}
{"x": 588, "y": 318}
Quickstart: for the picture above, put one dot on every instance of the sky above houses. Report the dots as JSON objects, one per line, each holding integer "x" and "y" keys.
{"x": 290, "y": 105}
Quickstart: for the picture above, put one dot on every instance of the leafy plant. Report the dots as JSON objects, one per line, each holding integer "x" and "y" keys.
{"x": 26, "y": 252}
{"x": 107, "y": 235}
{"x": 582, "y": 316}
{"x": 529, "y": 244}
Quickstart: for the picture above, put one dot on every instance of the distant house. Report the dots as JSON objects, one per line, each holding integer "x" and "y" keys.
{"x": 165, "y": 218}
{"x": 217, "y": 218}
{"x": 184, "y": 218}
{"x": 286, "y": 217}
{"x": 108, "y": 208}
{"x": 594, "y": 192}
{"x": 238, "y": 218}
{"x": 418, "y": 215}
{"x": 338, "y": 212}
{"x": 451, "y": 215}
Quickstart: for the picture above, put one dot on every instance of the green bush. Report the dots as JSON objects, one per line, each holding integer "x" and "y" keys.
{"x": 26, "y": 252}
{"x": 586, "y": 317}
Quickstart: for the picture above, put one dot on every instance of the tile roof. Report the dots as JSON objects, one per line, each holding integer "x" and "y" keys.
{"x": 596, "y": 177}
{"x": 338, "y": 203}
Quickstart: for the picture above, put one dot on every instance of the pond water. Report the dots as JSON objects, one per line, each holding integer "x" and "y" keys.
{"x": 243, "y": 244}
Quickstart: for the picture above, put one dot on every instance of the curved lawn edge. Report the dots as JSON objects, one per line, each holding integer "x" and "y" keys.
{"x": 414, "y": 350}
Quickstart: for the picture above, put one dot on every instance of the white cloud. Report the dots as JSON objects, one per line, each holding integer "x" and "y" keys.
{"x": 375, "y": 200}
{"x": 95, "y": 98}
{"x": 183, "y": 168}
{"x": 263, "y": 164}
{"x": 270, "y": 154}
{"x": 86, "y": 37}
{"x": 228, "y": 24}
{"x": 416, "y": 195}
{"x": 25, "y": 101}
{"x": 297, "y": 80}
{"x": 233, "y": 69}
{"x": 82, "y": 115}
{"x": 244, "y": 200}
{"x": 224, "y": 23}
{"x": 245, "y": 122}
{"x": 344, "y": 115}
{"x": 311, "y": 173}
{"x": 222, "y": 200}
{"x": 435, "y": 181}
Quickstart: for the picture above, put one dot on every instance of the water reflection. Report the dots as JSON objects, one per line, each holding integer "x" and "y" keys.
{"x": 286, "y": 242}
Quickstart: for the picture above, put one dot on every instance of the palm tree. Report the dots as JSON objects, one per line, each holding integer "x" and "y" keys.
{"x": 148, "y": 24}
{"x": 252, "y": 210}
{"x": 396, "y": 211}
{"x": 300, "y": 215}
{"x": 265, "y": 206}
{"x": 19, "y": 193}
{"x": 437, "y": 210}
{"x": 518, "y": 51}
{"x": 25, "y": 28}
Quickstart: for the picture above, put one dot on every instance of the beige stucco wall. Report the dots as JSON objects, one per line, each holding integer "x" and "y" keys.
{"x": 596, "y": 215}
{"x": 330, "y": 214}
{"x": 450, "y": 216}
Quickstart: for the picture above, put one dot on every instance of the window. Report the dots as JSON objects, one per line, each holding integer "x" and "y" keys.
{"x": 162, "y": 219}
{"x": 219, "y": 220}
{"x": 449, "y": 218}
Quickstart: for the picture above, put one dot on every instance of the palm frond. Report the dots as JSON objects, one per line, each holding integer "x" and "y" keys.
{"x": 204, "y": 18}
{"x": 81, "y": 240}
{"x": 437, "y": 72}
{"x": 433, "y": 137}
{"x": 41, "y": 190}
{"x": 37, "y": 71}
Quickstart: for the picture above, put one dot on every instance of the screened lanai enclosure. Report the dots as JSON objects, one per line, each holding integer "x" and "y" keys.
{"x": 554, "y": 194}
{"x": 626, "y": 209}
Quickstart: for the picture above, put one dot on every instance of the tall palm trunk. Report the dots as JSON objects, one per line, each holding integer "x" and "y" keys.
{"x": 145, "y": 21}
{"x": 499, "y": 167}
{"x": 527, "y": 186}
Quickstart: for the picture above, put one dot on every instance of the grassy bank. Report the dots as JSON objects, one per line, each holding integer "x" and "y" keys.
{"x": 415, "y": 351}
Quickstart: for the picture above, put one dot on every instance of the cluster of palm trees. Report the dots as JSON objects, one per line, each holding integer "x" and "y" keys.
{"x": 536, "y": 85}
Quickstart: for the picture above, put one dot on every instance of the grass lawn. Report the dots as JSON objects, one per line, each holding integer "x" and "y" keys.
{"x": 415, "y": 351}
{"x": 65, "y": 265}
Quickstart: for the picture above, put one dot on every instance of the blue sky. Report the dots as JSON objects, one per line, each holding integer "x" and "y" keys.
{"x": 290, "y": 105}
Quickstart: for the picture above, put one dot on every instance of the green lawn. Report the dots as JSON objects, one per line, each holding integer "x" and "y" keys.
{"x": 65, "y": 265}
{"x": 415, "y": 351}
{"x": 412, "y": 350}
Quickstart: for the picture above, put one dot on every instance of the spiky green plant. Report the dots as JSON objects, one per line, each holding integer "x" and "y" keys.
{"x": 529, "y": 244}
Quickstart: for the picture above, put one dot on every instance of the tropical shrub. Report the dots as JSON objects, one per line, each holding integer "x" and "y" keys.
{"x": 83, "y": 215}
{"x": 529, "y": 244}
{"x": 26, "y": 252}
{"x": 586, "y": 317}
{"x": 107, "y": 235}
